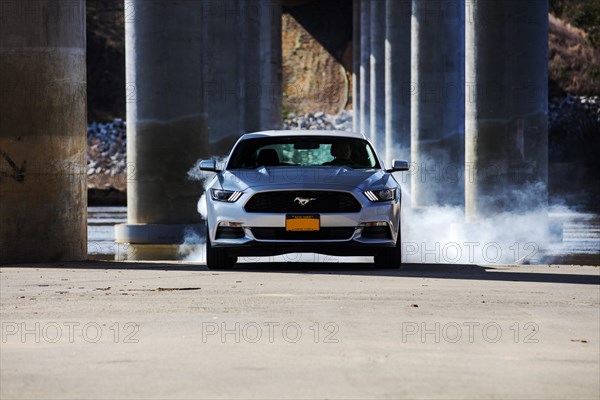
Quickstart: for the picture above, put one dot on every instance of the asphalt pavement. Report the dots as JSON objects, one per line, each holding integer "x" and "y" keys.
{"x": 299, "y": 330}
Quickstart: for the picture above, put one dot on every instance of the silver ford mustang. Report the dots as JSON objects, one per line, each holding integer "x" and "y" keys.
{"x": 303, "y": 191}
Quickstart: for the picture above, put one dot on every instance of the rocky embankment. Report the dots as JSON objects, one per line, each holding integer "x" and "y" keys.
{"x": 107, "y": 146}
{"x": 574, "y": 136}
{"x": 319, "y": 121}
{"x": 574, "y": 128}
{"x": 573, "y": 148}
{"x": 107, "y": 162}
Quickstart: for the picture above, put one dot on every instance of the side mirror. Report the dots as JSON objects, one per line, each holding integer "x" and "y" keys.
{"x": 399, "y": 165}
{"x": 208, "y": 165}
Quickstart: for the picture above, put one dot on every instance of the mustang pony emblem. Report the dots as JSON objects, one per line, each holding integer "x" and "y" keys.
{"x": 303, "y": 200}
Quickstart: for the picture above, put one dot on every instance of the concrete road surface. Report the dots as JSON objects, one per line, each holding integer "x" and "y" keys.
{"x": 132, "y": 330}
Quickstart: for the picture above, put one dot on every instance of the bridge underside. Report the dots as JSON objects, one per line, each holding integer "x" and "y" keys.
{"x": 452, "y": 86}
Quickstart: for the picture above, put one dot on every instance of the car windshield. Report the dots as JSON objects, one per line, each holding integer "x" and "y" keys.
{"x": 303, "y": 151}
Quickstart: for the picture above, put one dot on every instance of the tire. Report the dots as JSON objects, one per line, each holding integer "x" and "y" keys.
{"x": 218, "y": 258}
{"x": 390, "y": 258}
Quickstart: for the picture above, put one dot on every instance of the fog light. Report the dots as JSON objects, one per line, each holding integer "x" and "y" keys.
{"x": 230, "y": 230}
{"x": 231, "y": 224}
{"x": 376, "y": 230}
{"x": 380, "y": 223}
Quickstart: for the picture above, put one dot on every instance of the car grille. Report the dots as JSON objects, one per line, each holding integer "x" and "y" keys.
{"x": 285, "y": 202}
{"x": 334, "y": 233}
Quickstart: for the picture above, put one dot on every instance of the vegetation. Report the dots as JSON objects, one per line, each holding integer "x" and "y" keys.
{"x": 583, "y": 14}
{"x": 574, "y": 63}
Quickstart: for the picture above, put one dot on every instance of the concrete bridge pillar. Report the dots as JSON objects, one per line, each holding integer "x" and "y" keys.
{"x": 250, "y": 15}
{"x": 506, "y": 106}
{"x": 270, "y": 54}
{"x": 225, "y": 75}
{"x": 365, "y": 67}
{"x": 43, "y": 200}
{"x": 437, "y": 105}
{"x": 377, "y": 76}
{"x": 356, "y": 52}
{"x": 166, "y": 123}
{"x": 397, "y": 79}
{"x": 262, "y": 63}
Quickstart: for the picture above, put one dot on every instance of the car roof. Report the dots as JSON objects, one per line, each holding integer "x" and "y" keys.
{"x": 316, "y": 133}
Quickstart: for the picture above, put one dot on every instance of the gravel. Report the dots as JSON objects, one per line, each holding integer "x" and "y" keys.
{"x": 107, "y": 147}
{"x": 319, "y": 121}
{"x": 574, "y": 111}
{"x": 574, "y": 128}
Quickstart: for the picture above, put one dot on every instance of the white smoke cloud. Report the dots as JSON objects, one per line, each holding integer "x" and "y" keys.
{"x": 202, "y": 210}
{"x": 439, "y": 234}
{"x": 193, "y": 248}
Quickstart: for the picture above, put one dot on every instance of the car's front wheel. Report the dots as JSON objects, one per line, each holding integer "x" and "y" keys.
{"x": 218, "y": 258}
{"x": 390, "y": 258}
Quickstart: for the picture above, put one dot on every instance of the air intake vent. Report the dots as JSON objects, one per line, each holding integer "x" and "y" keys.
{"x": 333, "y": 233}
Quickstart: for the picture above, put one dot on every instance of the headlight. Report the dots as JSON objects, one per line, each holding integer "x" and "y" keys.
{"x": 225, "y": 195}
{"x": 380, "y": 195}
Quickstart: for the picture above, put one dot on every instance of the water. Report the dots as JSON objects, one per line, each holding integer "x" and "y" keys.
{"x": 101, "y": 231}
{"x": 577, "y": 239}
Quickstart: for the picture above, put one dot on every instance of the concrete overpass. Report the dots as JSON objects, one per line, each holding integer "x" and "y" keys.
{"x": 458, "y": 84}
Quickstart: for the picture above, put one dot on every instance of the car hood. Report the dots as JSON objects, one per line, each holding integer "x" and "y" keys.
{"x": 304, "y": 178}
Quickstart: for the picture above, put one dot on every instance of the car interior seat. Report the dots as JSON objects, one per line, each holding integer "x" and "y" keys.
{"x": 267, "y": 158}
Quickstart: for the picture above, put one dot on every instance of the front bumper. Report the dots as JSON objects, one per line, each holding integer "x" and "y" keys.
{"x": 340, "y": 249}
{"x": 351, "y": 234}
{"x": 355, "y": 242}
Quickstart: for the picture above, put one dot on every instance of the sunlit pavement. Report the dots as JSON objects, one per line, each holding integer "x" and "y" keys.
{"x": 177, "y": 330}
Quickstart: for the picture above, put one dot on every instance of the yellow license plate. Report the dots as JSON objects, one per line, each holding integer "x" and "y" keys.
{"x": 302, "y": 223}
